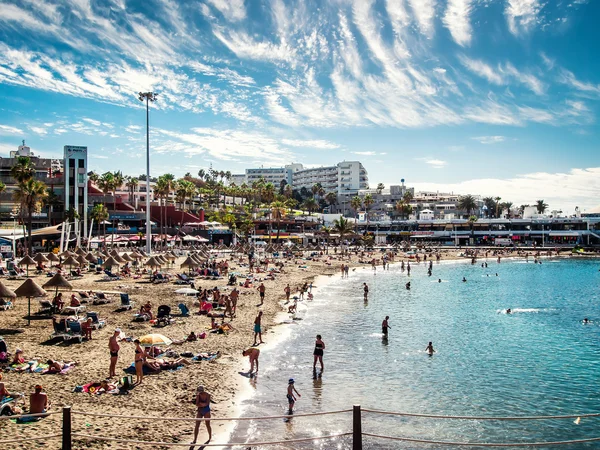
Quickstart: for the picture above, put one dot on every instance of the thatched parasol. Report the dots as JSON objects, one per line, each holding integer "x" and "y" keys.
{"x": 91, "y": 258}
{"x": 80, "y": 251}
{"x": 136, "y": 255}
{"x": 40, "y": 258}
{"x": 82, "y": 261}
{"x": 58, "y": 282}
{"x": 126, "y": 258}
{"x": 6, "y": 292}
{"x": 53, "y": 258}
{"x": 27, "y": 261}
{"x": 29, "y": 289}
{"x": 118, "y": 258}
{"x": 70, "y": 261}
{"x": 153, "y": 262}
{"x": 111, "y": 262}
{"x": 190, "y": 263}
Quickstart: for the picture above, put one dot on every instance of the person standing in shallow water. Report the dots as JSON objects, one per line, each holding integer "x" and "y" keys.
{"x": 385, "y": 325}
{"x": 258, "y": 329}
{"x": 318, "y": 353}
{"x": 366, "y": 290}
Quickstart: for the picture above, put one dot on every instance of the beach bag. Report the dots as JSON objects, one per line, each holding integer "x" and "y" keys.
{"x": 127, "y": 382}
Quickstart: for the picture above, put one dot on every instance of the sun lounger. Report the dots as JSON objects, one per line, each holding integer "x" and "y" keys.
{"x": 109, "y": 276}
{"x": 62, "y": 330}
{"x": 46, "y": 306}
{"x": 97, "y": 323}
{"x": 184, "y": 309}
{"x": 5, "y": 304}
{"x": 75, "y": 331}
{"x": 13, "y": 275}
{"x": 73, "y": 309}
{"x": 126, "y": 302}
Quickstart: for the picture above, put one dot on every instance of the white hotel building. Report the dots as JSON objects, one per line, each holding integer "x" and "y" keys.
{"x": 343, "y": 178}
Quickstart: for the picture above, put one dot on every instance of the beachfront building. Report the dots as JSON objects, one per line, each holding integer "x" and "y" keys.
{"x": 48, "y": 170}
{"x": 546, "y": 232}
{"x": 346, "y": 177}
{"x": 275, "y": 175}
{"x": 76, "y": 181}
{"x": 444, "y": 206}
{"x": 384, "y": 206}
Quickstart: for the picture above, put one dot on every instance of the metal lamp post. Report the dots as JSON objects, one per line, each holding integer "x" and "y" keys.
{"x": 149, "y": 97}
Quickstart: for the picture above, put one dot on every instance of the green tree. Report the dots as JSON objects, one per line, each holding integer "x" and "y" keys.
{"x": 31, "y": 194}
{"x": 331, "y": 198}
{"x": 100, "y": 215}
{"x": 132, "y": 184}
{"x": 342, "y": 226}
{"x": 497, "y": 200}
{"x": 380, "y": 187}
{"x": 541, "y": 206}
{"x": 403, "y": 209}
{"x": 278, "y": 210}
{"x": 2, "y": 189}
{"x": 490, "y": 206}
{"x": 310, "y": 205}
{"x": 467, "y": 203}
{"x": 355, "y": 204}
{"x": 368, "y": 201}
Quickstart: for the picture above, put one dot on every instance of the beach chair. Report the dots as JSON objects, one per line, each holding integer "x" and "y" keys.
{"x": 74, "y": 331}
{"x": 73, "y": 310}
{"x": 97, "y": 323}
{"x": 101, "y": 299}
{"x": 46, "y": 306}
{"x": 13, "y": 275}
{"x": 60, "y": 330}
{"x": 7, "y": 404}
{"x": 163, "y": 315}
{"x": 74, "y": 274}
{"x": 185, "y": 312}
{"x": 5, "y": 304}
{"x": 126, "y": 302}
{"x": 109, "y": 276}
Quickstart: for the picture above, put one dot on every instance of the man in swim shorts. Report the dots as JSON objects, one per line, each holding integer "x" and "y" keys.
{"x": 114, "y": 347}
{"x": 252, "y": 353}
{"x": 257, "y": 328}
{"x": 290, "y": 394}
{"x": 385, "y": 325}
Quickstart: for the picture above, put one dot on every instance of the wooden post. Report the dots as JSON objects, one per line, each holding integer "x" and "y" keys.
{"x": 356, "y": 428}
{"x": 66, "y": 428}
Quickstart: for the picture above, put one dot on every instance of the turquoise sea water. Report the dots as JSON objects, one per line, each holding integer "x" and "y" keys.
{"x": 539, "y": 360}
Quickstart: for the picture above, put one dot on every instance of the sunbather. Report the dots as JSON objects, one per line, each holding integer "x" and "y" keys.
{"x": 74, "y": 301}
{"x": 58, "y": 302}
{"x": 38, "y": 401}
{"x": 58, "y": 366}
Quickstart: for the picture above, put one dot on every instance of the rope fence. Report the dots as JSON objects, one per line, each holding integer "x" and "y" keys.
{"x": 357, "y": 434}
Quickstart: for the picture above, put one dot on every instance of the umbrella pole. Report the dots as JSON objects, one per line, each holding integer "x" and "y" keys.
{"x": 29, "y": 311}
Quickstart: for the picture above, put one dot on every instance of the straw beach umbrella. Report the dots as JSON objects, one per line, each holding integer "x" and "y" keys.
{"x": 153, "y": 262}
{"x": 189, "y": 263}
{"x": 53, "y": 258}
{"x": 82, "y": 261}
{"x": 118, "y": 258}
{"x": 58, "y": 282}
{"x": 27, "y": 261}
{"x": 110, "y": 263}
{"x": 6, "y": 292}
{"x": 91, "y": 258}
{"x": 29, "y": 289}
{"x": 126, "y": 258}
{"x": 70, "y": 261}
{"x": 40, "y": 258}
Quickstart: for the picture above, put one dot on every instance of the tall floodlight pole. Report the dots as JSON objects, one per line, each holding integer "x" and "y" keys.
{"x": 149, "y": 97}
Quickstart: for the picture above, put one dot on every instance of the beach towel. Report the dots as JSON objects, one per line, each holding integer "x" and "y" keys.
{"x": 207, "y": 356}
{"x": 131, "y": 370}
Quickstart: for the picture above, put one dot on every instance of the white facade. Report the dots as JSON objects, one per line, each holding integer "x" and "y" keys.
{"x": 76, "y": 186}
{"x": 344, "y": 177}
{"x": 273, "y": 175}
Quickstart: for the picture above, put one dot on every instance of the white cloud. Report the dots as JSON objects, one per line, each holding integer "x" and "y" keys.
{"x": 92, "y": 121}
{"x": 38, "y": 130}
{"x": 522, "y": 15}
{"x": 134, "y": 129}
{"x": 562, "y": 191}
{"x": 435, "y": 163}
{"x": 458, "y": 22}
{"x": 6, "y": 130}
{"x": 424, "y": 11}
{"x": 480, "y": 68}
{"x": 232, "y": 10}
{"x": 312, "y": 143}
{"x": 567, "y": 77}
{"x": 365, "y": 153}
{"x": 489, "y": 139}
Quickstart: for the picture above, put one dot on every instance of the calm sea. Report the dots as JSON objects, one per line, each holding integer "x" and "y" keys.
{"x": 539, "y": 360}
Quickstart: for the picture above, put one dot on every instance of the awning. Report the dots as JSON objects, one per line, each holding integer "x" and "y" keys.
{"x": 564, "y": 234}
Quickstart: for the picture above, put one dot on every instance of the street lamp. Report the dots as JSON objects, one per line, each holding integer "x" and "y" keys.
{"x": 149, "y": 97}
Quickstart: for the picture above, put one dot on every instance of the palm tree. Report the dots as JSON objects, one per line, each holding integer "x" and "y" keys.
{"x": 467, "y": 203}
{"x": 2, "y": 189}
{"x": 201, "y": 174}
{"x": 268, "y": 193}
{"x": 342, "y": 226}
{"x": 541, "y": 206}
{"x": 402, "y": 208}
{"x": 331, "y": 198}
{"x": 368, "y": 202}
{"x": 490, "y": 205}
{"x": 380, "y": 187}
{"x": 31, "y": 193}
{"x": 311, "y": 205}
{"x": 23, "y": 170}
{"x": 278, "y": 210}
{"x": 131, "y": 183}
{"x": 508, "y": 206}
{"x": 497, "y": 200}
{"x": 99, "y": 213}
{"x": 288, "y": 191}
{"x": 355, "y": 204}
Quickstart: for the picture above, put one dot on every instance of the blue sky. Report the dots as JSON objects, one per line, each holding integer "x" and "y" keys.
{"x": 492, "y": 97}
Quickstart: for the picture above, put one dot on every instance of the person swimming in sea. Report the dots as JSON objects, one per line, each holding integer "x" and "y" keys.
{"x": 439, "y": 280}
{"x": 464, "y": 280}
{"x": 586, "y": 320}
{"x": 430, "y": 349}
{"x": 509, "y": 311}
{"x": 407, "y": 285}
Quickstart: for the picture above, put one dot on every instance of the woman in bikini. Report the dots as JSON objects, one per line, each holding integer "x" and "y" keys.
{"x": 318, "y": 353}
{"x": 203, "y": 405}
{"x": 140, "y": 358}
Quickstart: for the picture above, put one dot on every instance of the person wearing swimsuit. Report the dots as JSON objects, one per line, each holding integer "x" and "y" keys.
{"x": 140, "y": 357}
{"x": 318, "y": 353}
{"x": 203, "y": 405}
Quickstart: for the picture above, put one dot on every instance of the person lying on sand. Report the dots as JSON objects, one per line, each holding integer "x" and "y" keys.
{"x": 58, "y": 366}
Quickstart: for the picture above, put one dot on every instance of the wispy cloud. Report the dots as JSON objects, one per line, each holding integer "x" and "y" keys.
{"x": 424, "y": 11}
{"x": 489, "y": 139}
{"x": 311, "y": 143}
{"x": 232, "y": 10}
{"x": 457, "y": 21}
{"x": 433, "y": 162}
{"x": 6, "y": 130}
{"x": 522, "y": 15}
{"x": 42, "y": 131}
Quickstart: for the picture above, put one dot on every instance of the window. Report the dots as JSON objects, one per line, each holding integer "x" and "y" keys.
{"x": 80, "y": 163}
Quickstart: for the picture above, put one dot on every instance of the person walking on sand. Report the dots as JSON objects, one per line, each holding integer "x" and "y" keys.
{"x": 203, "y": 404}
{"x": 252, "y": 353}
{"x": 318, "y": 353}
{"x": 290, "y": 394}
{"x": 114, "y": 347}
{"x": 257, "y": 329}
{"x": 261, "y": 289}
{"x": 287, "y": 291}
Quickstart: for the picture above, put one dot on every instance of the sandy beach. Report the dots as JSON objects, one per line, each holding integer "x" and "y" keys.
{"x": 168, "y": 393}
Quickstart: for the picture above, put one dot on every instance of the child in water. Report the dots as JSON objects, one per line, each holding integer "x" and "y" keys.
{"x": 290, "y": 394}
{"x": 430, "y": 349}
